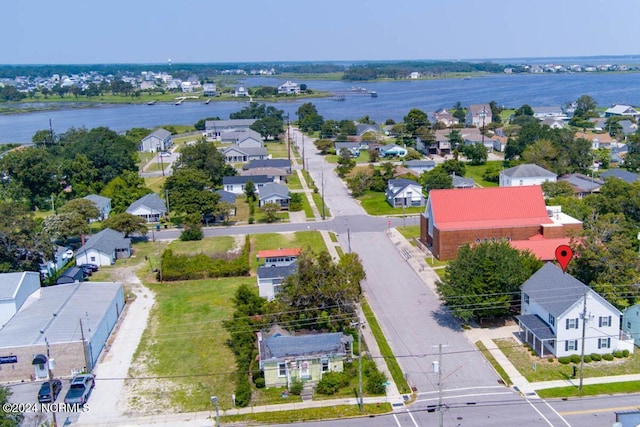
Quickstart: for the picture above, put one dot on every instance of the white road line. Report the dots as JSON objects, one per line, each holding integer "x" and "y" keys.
{"x": 412, "y": 419}
{"x": 539, "y": 413}
{"x": 458, "y": 389}
{"x": 397, "y": 422}
{"x": 462, "y": 395}
{"x": 557, "y": 413}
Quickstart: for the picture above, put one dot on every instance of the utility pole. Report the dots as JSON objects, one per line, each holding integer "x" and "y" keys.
{"x": 84, "y": 348}
{"x": 161, "y": 162}
{"x": 214, "y": 400}
{"x": 584, "y": 330}
{"x": 55, "y": 421}
{"x": 349, "y": 238}
{"x": 360, "y": 362}
{"x": 166, "y": 196}
{"x": 440, "y": 406}
{"x": 53, "y": 205}
{"x": 303, "y": 158}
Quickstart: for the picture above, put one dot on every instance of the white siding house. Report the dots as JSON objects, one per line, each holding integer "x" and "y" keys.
{"x": 631, "y": 323}
{"x": 15, "y": 288}
{"x": 404, "y": 193}
{"x": 528, "y": 174}
{"x": 551, "y": 320}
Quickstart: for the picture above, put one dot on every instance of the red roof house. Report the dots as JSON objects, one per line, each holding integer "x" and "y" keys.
{"x": 456, "y": 217}
{"x": 543, "y": 249}
{"x": 279, "y": 257}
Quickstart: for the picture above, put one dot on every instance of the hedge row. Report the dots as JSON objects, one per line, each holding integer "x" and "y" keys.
{"x": 595, "y": 357}
{"x": 192, "y": 267}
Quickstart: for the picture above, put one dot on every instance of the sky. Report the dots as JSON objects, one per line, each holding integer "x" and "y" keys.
{"x": 208, "y": 31}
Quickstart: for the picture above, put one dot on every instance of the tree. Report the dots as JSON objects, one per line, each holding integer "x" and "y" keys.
{"x": 308, "y": 118}
{"x": 459, "y": 113}
{"x": 8, "y": 419}
{"x": 476, "y": 153}
{"x": 359, "y": 181}
{"x": 524, "y": 110}
{"x": 484, "y": 280}
{"x": 190, "y": 191}
{"x": 374, "y": 155}
{"x": 250, "y": 191}
{"x": 415, "y": 119}
{"x": 34, "y": 171}
{"x": 412, "y": 154}
{"x": 557, "y": 189}
{"x": 348, "y": 127}
{"x": 321, "y": 294}
{"x": 345, "y": 163}
{"x": 454, "y": 166}
{"x": 270, "y": 211}
{"x": 268, "y": 127}
{"x": 126, "y": 223}
{"x": 223, "y": 210}
{"x": 495, "y": 112}
{"x": 436, "y": 179}
{"x": 585, "y": 107}
{"x": 83, "y": 207}
{"x": 541, "y": 153}
{"x": 193, "y": 228}
{"x": 65, "y": 225}
{"x": 124, "y": 190}
{"x": 23, "y": 244}
{"x": 204, "y": 156}
{"x": 323, "y": 145}
{"x": 455, "y": 139}
{"x": 295, "y": 202}
{"x": 632, "y": 159}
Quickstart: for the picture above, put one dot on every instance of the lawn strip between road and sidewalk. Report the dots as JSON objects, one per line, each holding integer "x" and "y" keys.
{"x": 310, "y": 414}
{"x": 385, "y": 350}
{"x": 590, "y": 390}
{"x": 499, "y": 369}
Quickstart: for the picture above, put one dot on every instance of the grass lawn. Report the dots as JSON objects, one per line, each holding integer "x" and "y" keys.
{"x": 410, "y": 231}
{"x": 476, "y": 172}
{"x": 307, "y": 179}
{"x": 499, "y": 369}
{"x": 363, "y": 158}
{"x": 299, "y": 239}
{"x": 186, "y": 326}
{"x": 155, "y": 167}
{"x": 302, "y": 415}
{"x": 591, "y": 390}
{"x": 155, "y": 183}
{"x": 293, "y": 181}
{"x": 209, "y": 245}
{"x": 277, "y": 149}
{"x": 317, "y": 199}
{"x": 306, "y": 207}
{"x": 549, "y": 371}
{"x": 375, "y": 204}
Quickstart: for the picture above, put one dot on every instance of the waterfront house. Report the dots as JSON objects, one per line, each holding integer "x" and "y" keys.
{"x": 150, "y": 207}
{"x": 158, "y": 140}
{"x": 478, "y": 115}
{"x": 209, "y": 89}
{"x": 550, "y": 322}
{"x": 240, "y": 92}
{"x": 622, "y": 110}
{"x": 289, "y": 88}
{"x": 215, "y": 128}
{"x": 445, "y": 117}
{"x": 542, "y": 113}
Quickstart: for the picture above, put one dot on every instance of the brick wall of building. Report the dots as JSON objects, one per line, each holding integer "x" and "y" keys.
{"x": 67, "y": 356}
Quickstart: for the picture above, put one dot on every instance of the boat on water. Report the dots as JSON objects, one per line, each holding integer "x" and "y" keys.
{"x": 374, "y": 94}
{"x": 152, "y": 102}
{"x": 208, "y": 101}
{"x": 179, "y": 102}
{"x": 338, "y": 98}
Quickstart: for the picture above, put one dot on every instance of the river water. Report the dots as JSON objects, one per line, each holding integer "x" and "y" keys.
{"x": 395, "y": 99}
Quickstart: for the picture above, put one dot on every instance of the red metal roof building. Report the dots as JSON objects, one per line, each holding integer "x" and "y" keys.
{"x": 453, "y": 218}
{"x": 543, "y": 249}
{"x": 279, "y": 257}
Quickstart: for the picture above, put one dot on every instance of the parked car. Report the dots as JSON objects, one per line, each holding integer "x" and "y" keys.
{"x": 80, "y": 389}
{"x": 165, "y": 154}
{"x": 92, "y": 267}
{"x": 87, "y": 271}
{"x": 49, "y": 394}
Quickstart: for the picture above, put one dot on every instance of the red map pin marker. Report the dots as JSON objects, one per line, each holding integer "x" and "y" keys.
{"x": 564, "y": 255}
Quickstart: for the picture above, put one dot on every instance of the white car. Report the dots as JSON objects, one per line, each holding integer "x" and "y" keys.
{"x": 165, "y": 154}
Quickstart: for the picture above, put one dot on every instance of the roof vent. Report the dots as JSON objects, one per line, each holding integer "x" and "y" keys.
{"x": 550, "y": 213}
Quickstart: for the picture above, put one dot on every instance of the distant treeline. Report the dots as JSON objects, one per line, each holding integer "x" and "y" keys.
{"x": 401, "y": 70}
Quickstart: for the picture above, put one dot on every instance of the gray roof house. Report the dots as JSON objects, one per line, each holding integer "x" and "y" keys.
{"x": 526, "y": 174}
{"x": 420, "y": 166}
{"x": 404, "y": 193}
{"x": 352, "y": 147}
{"x": 102, "y": 203}
{"x": 269, "y": 163}
{"x": 361, "y": 129}
{"x": 215, "y": 128}
{"x": 158, "y": 140}
{"x": 623, "y": 174}
{"x": 235, "y": 184}
{"x": 150, "y": 207}
{"x": 270, "y": 279}
{"x": 478, "y": 115}
{"x": 582, "y": 185}
{"x": 462, "y": 182}
{"x": 628, "y": 127}
{"x": 552, "y": 302}
{"x": 274, "y": 193}
{"x": 235, "y": 154}
{"x": 104, "y": 248}
{"x": 278, "y": 175}
{"x": 71, "y": 275}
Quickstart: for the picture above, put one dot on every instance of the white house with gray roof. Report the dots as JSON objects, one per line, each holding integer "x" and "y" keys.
{"x": 551, "y": 321}
{"x": 102, "y": 203}
{"x": 235, "y": 154}
{"x": 215, "y": 128}
{"x": 274, "y": 193}
{"x": 158, "y": 140}
{"x": 527, "y": 174}
{"x": 15, "y": 288}
{"x": 235, "y": 184}
{"x": 404, "y": 193}
{"x": 622, "y": 110}
{"x": 271, "y": 277}
{"x": 104, "y": 248}
{"x": 150, "y": 207}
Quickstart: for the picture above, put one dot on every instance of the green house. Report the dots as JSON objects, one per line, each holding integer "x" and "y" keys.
{"x": 285, "y": 357}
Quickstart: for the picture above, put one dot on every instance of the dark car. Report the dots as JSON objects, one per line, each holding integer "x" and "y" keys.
{"x": 80, "y": 389}
{"x": 45, "y": 395}
{"x": 92, "y": 267}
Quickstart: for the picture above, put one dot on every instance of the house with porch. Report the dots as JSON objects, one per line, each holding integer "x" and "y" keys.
{"x": 236, "y": 154}
{"x": 289, "y": 88}
{"x": 278, "y": 257}
{"x": 279, "y": 175}
{"x": 285, "y": 357}
{"x": 215, "y": 128}
{"x": 478, "y": 115}
{"x": 622, "y": 110}
{"x": 551, "y": 316}
{"x": 104, "y": 248}
{"x": 274, "y": 193}
{"x": 404, "y": 193}
{"x": 149, "y": 207}
{"x": 209, "y": 89}
{"x": 158, "y": 140}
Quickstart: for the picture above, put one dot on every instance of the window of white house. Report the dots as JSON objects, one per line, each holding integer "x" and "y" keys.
{"x": 93, "y": 258}
{"x": 282, "y": 369}
{"x": 325, "y": 365}
{"x": 572, "y": 323}
{"x": 604, "y": 321}
{"x": 604, "y": 342}
{"x": 552, "y": 320}
{"x": 628, "y": 325}
{"x": 526, "y": 298}
{"x": 571, "y": 345}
